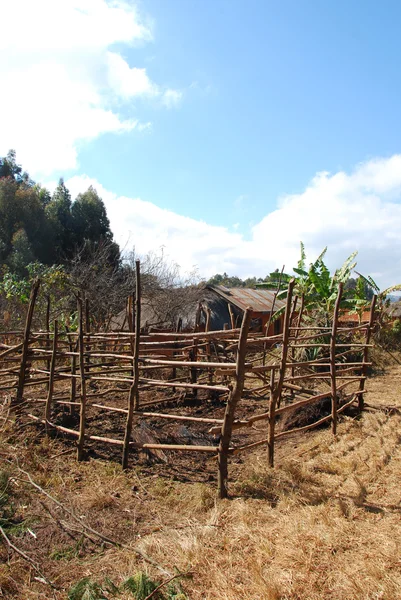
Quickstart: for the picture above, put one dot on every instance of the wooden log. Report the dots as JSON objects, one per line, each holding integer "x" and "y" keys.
{"x": 182, "y": 447}
{"x": 366, "y": 352}
{"x": 275, "y": 398}
{"x": 82, "y": 413}
{"x": 319, "y": 376}
{"x": 333, "y": 340}
{"x": 352, "y": 344}
{"x": 232, "y": 402}
{"x": 25, "y": 343}
{"x": 13, "y": 380}
{"x": 298, "y": 388}
{"x": 11, "y": 350}
{"x": 198, "y": 386}
{"x": 50, "y": 387}
{"x": 63, "y": 429}
{"x": 151, "y": 415}
{"x": 191, "y": 364}
{"x": 133, "y": 401}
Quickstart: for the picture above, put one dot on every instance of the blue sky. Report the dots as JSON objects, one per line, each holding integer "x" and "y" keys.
{"x": 223, "y": 112}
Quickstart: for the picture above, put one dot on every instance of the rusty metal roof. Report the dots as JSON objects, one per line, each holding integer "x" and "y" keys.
{"x": 260, "y": 300}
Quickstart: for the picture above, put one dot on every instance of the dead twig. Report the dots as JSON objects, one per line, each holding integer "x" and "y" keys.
{"x": 86, "y": 527}
{"x": 26, "y": 558}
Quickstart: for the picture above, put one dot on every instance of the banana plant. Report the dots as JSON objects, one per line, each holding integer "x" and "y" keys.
{"x": 315, "y": 284}
{"x": 382, "y": 301}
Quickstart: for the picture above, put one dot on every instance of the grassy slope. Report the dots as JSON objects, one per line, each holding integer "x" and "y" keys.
{"x": 324, "y": 524}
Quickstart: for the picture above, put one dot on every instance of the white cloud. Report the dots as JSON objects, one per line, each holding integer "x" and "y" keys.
{"x": 62, "y": 84}
{"x": 171, "y": 98}
{"x": 358, "y": 211}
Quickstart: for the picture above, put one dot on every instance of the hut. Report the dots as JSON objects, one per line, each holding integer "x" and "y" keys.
{"x": 227, "y": 306}
{"x": 187, "y": 308}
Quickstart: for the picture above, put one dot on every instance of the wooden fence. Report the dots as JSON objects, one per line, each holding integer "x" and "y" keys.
{"x": 278, "y": 376}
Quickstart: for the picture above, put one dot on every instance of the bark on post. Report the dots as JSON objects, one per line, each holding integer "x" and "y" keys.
{"x": 334, "y": 402}
{"x": 73, "y": 384}
{"x": 198, "y": 317}
{"x": 87, "y": 329}
{"x": 133, "y": 400}
{"x": 232, "y": 316}
{"x": 137, "y": 327}
{"x": 276, "y": 396}
{"x": 361, "y": 402}
{"x": 82, "y": 415}
{"x": 235, "y": 396}
{"x": 51, "y": 377}
{"x": 271, "y": 421}
{"x": 25, "y": 343}
{"x": 48, "y": 361}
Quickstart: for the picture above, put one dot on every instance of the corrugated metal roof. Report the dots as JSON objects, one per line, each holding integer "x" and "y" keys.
{"x": 259, "y": 299}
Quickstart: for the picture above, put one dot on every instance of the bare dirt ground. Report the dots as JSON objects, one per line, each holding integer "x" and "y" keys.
{"x": 324, "y": 524}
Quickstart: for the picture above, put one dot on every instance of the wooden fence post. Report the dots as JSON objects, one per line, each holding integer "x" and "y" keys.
{"x": 73, "y": 384}
{"x": 87, "y": 330}
{"x": 334, "y": 401}
{"x": 133, "y": 400}
{"x": 25, "y": 342}
{"x": 276, "y": 396}
{"x": 47, "y": 325}
{"x": 51, "y": 377}
{"x": 361, "y": 401}
{"x": 272, "y": 421}
{"x": 82, "y": 414}
{"x": 233, "y": 399}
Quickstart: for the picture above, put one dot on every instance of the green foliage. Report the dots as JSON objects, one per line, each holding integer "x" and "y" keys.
{"x": 35, "y": 226}
{"x": 234, "y": 281}
{"x": 86, "y": 589}
{"x": 318, "y": 287}
{"x": 14, "y": 287}
{"x": 68, "y": 552}
{"x": 139, "y": 586}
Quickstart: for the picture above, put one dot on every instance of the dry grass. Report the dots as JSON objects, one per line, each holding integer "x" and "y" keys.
{"x": 324, "y": 524}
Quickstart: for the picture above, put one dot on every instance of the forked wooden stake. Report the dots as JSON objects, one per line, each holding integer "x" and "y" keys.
{"x": 82, "y": 415}
{"x": 48, "y": 361}
{"x": 133, "y": 400}
{"x": 361, "y": 401}
{"x": 234, "y": 397}
{"x": 334, "y": 401}
{"x": 51, "y": 377}
{"x": 276, "y": 395}
{"x": 25, "y": 343}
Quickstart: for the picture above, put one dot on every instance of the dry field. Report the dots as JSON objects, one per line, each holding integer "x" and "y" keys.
{"x": 324, "y": 524}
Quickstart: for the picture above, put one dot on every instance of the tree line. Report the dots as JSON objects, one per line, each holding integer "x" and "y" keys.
{"x": 36, "y": 226}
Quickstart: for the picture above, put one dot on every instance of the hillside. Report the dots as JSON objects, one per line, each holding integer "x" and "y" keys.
{"x": 325, "y": 523}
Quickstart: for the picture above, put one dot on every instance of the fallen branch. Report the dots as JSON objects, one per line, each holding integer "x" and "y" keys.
{"x": 27, "y": 558}
{"x": 86, "y": 527}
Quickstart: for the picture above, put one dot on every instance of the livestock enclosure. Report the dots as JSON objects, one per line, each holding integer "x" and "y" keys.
{"x": 233, "y": 389}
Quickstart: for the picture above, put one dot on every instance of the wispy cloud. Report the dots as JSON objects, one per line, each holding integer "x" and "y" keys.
{"x": 356, "y": 211}
{"x": 64, "y": 83}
